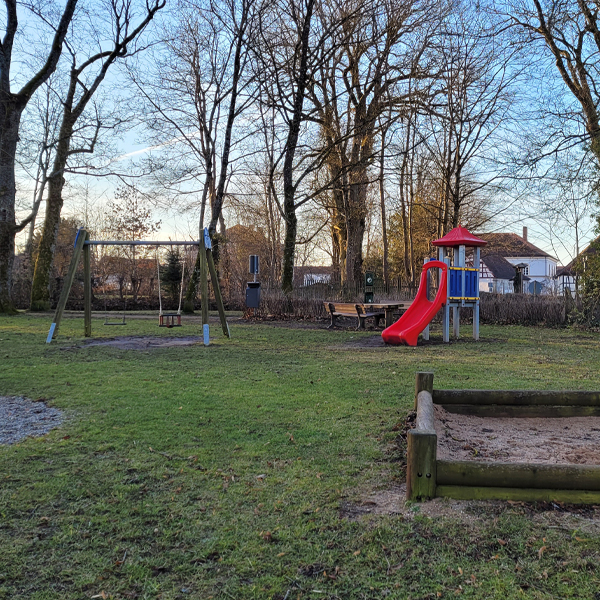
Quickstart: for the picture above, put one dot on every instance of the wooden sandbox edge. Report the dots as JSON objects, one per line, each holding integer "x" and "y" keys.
{"x": 428, "y": 477}
{"x": 462, "y": 492}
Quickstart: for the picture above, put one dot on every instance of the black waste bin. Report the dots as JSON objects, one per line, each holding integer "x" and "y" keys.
{"x": 253, "y": 294}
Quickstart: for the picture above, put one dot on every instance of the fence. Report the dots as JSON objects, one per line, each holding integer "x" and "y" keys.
{"x": 497, "y": 309}
{"x": 337, "y": 292}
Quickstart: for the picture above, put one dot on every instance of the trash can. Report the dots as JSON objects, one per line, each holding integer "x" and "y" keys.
{"x": 253, "y": 294}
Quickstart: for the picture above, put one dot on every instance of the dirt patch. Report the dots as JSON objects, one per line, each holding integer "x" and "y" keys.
{"x": 142, "y": 343}
{"x": 392, "y": 501}
{"x": 376, "y": 341}
{"x": 21, "y": 418}
{"x": 292, "y": 323}
{"x": 371, "y": 342}
{"x": 574, "y": 440}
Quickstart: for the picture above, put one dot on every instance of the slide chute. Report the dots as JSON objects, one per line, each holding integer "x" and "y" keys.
{"x": 420, "y": 313}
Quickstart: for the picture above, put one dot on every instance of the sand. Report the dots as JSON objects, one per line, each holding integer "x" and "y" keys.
{"x": 572, "y": 440}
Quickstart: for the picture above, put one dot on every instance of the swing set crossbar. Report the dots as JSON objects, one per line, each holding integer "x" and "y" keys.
{"x": 138, "y": 243}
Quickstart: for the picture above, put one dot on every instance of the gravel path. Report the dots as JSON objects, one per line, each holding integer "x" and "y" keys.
{"x": 21, "y": 418}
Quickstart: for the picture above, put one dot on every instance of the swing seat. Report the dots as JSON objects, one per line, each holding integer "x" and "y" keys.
{"x": 169, "y": 320}
{"x": 116, "y": 323}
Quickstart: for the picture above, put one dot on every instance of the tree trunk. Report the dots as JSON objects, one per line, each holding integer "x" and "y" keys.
{"x": 355, "y": 227}
{"x": 289, "y": 190}
{"x": 383, "y": 215}
{"x": 40, "y": 287}
{"x": 337, "y": 212}
{"x": 11, "y": 108}
{"x": 356, "y": 214}
{"x": 338, "y": 236}
{"x": 217, "y": 204}
{"x": 9, "y": 135}
{"x": 289, "y": 244}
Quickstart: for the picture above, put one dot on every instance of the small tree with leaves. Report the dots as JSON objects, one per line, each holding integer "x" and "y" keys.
{"x": 129, "y": 219}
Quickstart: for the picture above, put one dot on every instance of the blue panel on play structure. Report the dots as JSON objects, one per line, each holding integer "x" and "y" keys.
{"x": 471, "y": 284}
{"x": 455, "y": 286}
{"x": 471, "y": 290}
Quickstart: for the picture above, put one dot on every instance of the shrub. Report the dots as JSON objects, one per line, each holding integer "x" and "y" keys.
{"x": 523, "y": 309}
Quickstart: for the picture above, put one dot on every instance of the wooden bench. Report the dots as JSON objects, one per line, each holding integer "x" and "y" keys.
{"x": 347, "y": 309}
{"x": 364, "y": 311}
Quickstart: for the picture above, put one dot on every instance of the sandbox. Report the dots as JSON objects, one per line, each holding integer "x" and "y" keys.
{"x": 522, "y": 445}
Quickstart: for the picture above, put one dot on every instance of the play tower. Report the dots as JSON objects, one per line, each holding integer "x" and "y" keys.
{"x": 463, "y": 280}
{"x": 458, "y": 287}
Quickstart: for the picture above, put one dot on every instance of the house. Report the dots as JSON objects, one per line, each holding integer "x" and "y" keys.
{"x": 310, "y": 275}
{"x": 497, "y": 275}
{"x": 538, "y": 268}
{"x": 566, "y": 277}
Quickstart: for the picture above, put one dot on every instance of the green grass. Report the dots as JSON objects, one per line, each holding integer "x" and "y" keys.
{"x": 225, "y": 471}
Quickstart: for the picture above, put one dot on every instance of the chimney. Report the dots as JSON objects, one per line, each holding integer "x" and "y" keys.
{"x": 525, "y": 233}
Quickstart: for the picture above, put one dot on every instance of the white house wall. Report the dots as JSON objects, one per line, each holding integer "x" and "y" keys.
{"x": 495, "y": 286}
{"x": 540, "y": 268}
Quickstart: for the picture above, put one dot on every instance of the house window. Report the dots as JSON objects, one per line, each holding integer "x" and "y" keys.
{"x": 526, "y": 270}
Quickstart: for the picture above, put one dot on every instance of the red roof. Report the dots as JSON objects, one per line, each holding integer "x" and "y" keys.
{"x": 459, "y": 236}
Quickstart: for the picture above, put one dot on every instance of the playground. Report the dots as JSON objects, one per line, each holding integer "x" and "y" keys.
{"x": 268, "y": 465}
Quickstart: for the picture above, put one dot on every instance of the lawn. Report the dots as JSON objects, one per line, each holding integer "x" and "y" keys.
{"x": 242, "y": 470}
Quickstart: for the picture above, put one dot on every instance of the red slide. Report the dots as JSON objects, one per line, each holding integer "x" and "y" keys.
{"x": 419, "y": 314}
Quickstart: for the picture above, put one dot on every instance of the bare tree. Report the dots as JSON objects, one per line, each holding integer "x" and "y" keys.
{"x": 84, "y": 80}
{"x": 362, "y": 88}
{"x": 570, "y": 34}
{"x": 12, "y": 105}
{"x": 283, "y": 49}
{"x": 196, "y": 88}
{"x": 37, "y": 139}
{"x": 193, "y": 91}
{"x": 129, "y": 218}
{"x": 474, "y": 102}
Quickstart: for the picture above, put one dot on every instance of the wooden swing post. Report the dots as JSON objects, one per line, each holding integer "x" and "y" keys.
{"x": 87, "y": 288}
{"x": 68, "y": 282}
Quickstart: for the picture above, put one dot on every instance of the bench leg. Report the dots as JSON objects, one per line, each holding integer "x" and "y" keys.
{"x": 361, "y": 322}
{"x": 332, "y": 324}
{"x": 389, "y": 317}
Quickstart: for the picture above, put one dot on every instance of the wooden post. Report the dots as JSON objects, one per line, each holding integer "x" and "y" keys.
{"x": 421, "y": 474}
{"x": 203, "y": 282}
{"x": 446, "y": 309}
{"x": 68, "y": 282}
{"x": 456, "y": 321}
{"x": 87, "y": 289}
{"x": 423, "y": 381}
{"x": 217, "y": 289}
{"x": 426, "y": 330}
{"x": 565, "y": 398}
{"x": 476, "y": 265}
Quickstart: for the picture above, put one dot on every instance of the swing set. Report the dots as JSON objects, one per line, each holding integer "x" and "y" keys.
{"x": 169, "y": 319}
{"x": 83, "y": 246}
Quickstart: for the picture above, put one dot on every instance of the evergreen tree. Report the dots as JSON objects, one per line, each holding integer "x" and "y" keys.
{"x": 171, "y": 276}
